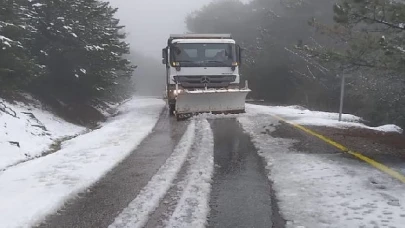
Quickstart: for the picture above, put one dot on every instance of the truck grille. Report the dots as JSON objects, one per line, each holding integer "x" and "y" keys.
{"x": 200, "y": 81}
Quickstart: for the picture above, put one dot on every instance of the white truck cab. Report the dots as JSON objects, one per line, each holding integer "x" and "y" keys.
{"x": 201, "y": 64}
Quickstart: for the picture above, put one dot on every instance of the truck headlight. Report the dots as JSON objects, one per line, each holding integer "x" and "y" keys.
{"x": 178, "y": 91}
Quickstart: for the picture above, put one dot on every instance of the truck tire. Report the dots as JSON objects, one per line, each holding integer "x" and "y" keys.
{"x": 172, "y": 108}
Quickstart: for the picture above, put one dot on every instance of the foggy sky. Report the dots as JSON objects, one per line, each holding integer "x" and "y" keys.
{"x": 150, "y": 22}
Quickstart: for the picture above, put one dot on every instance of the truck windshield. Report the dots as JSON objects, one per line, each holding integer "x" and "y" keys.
{"x": 203, "y": 54}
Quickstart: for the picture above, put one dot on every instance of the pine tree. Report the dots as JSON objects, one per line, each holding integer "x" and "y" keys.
{"x": 374, "y": 32}
{"x": 17, "y": 65}
{"x": 81, "y": 44}
{"x": 370, "y": 46}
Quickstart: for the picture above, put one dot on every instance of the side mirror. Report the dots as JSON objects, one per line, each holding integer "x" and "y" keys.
{"x": 239, "y": 54}
{"x": 164, "y": 56}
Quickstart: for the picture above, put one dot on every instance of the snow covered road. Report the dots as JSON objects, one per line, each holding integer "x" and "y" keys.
{"x": 145, "y": 169}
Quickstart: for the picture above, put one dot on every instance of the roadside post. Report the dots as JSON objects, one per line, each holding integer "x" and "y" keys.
{"x": 342, "y": 95}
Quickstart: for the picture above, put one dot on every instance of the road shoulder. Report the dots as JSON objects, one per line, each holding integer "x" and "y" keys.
{"x": 318, "y": 185}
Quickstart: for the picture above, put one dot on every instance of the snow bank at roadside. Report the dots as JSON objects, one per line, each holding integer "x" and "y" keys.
{"x": 388, "y": 128}
{"x": 299, "y": 115}
{"x": 39, "y": 187}
{"x": 27, "y": 131}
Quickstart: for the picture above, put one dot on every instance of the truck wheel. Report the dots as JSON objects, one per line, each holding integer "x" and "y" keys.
{"x": 172, "y": 108}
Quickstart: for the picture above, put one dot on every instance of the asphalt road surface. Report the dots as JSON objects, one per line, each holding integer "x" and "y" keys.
{"x": 99, "y": 206}
{"x": 241, "y": 194}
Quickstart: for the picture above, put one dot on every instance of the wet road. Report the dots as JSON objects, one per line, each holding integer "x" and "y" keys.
{"x": 99, "y": 206}
{"x": 241, "y": 192}
{"x": 222, "y": 180}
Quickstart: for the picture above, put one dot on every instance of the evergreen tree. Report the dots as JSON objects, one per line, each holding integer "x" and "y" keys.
{"x": 370, "y": 44}
{"x": 81, "y": 44}
{"x": 374, "y": 32}
{"x": 17, "y": 65}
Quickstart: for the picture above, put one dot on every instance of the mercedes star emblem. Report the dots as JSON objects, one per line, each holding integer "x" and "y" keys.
{"x": 205, "y": 80}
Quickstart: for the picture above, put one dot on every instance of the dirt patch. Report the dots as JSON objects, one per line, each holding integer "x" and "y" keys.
{"x": 304, "y": 142}
{"x": 387, "y": 148}
{"x": 388, "y": 138}
{"x": 366, "y": 141}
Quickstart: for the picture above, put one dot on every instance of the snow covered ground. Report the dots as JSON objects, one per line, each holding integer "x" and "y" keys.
{"x": 39, "y": 187}
{"x": 299, "y": 115}
{"x": 317, "y": 190}
{"x": 27, "y": 131}
{"x": 314, "y": 190}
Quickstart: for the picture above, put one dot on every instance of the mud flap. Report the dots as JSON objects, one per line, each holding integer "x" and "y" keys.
{"x": 216, "y": 101}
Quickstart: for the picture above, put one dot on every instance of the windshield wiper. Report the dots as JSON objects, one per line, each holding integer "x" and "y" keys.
{"x": 182, "y": 61}
{"x": 214, "y": 61}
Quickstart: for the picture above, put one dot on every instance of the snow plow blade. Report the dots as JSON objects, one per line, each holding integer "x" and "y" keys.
{"x": 189, "y": 103}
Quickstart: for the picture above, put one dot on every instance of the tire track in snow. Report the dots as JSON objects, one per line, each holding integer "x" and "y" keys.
{"x": 138, "y": 211}
{"x": 193, "y": 207}
{"x": 168, "y": 204}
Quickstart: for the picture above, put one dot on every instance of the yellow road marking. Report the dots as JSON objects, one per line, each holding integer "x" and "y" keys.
{"x": 368, "y": 160}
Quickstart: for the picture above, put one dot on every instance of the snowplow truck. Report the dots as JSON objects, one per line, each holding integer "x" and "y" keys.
{"x": 202, "y": 73}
